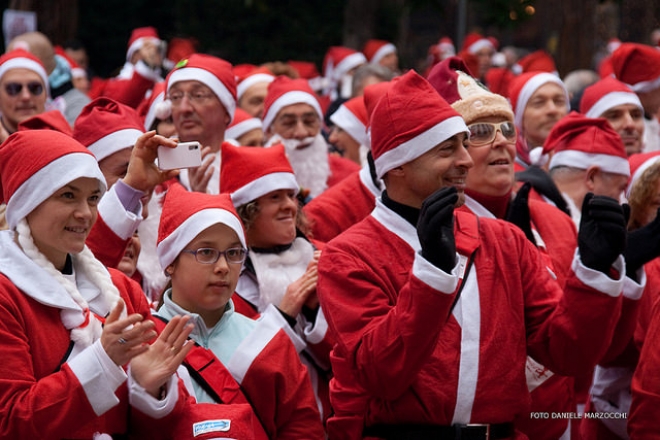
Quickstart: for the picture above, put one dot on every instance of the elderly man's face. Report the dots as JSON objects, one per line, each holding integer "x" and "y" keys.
{"x": 22, "y": 95}
{"x": 197, "y": 112}
{"x": 296, "y": 121}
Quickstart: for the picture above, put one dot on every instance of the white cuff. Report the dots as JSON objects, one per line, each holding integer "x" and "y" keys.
{"x": 632, "y": 289}
{"x": 272, "y": 315}
{"x": 315, "y": 332}
{"x": 598, "y": 280}
{"x": 436, "y": 278}
{"x": 146, "y": 72}
{"x": 140, "y": 399}
{"x": 119, "y": 220}
{"x": 99, "y": 377}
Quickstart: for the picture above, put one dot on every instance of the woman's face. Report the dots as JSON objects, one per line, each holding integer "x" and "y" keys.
{"x": 275, "y": 223}
{"x": 205, "y": 289}
{"x": 60, "y": 224}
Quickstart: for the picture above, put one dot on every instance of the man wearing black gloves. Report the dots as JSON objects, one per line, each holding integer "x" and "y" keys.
{"x": 434, "y": 311}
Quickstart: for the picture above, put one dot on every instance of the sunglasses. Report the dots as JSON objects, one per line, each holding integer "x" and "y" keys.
{"x": 483, "y": 133}
{"x": 34, "y": 87}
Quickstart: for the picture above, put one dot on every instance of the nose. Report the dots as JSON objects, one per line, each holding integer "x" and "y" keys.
{"x": 83, "y": 211}
{"x": 628, "y": 121}
{"x": 463, "y": 158}
{"x": 25, "y": 93}
{"x": 333, "y": 135}
{"x": 300, "y": 131}
{"x": 222, "y": 265}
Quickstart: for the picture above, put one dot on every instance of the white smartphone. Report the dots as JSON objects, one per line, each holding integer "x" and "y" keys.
{"x": 184, "y": 155}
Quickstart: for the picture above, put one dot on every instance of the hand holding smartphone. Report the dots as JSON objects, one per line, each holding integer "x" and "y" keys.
{"x": 184, "y": 155}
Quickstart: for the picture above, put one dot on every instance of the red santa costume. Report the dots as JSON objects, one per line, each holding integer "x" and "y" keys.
{"x": 106, "y": 127}
{"x": 268, "y": 273}
{"x": 56, "y": 380}
{"x": 258, "y": 363}
{"x": 410, "y": 350}
{"x": 338, "y": 63}
{"x": 134, "y": 80}
{"x": 315, "y": 168}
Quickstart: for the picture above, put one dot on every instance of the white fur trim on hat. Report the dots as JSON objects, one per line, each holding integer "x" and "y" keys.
{"x": 420, "y": 144}
{"x": 171, "y": 247}
{"x": 252, "y": 80}
{"x": 238, "y": 130}
{"x": 351, "y": 61}
{"x": 159, "y": 108}
{"x": 290, "y": 98}
{"x": 26, "y": 63}
{"x": 348, "y": 122}
{"x": 264, "y": 185}
{"x": 381, "y": 53}
{"x": 137, "y": 44}
{"x": 610, "y": 100}
{"x": 639, "y": 171}
{"x": 49, "y": 179}
{"x": 582, "y": 160}
{"x": 117, "y": 141}
{"x": 646, "y": 86}
{"x": 532, "y": 86}
{"x": 480, "y": 44}
{"x": 208, "y": 79}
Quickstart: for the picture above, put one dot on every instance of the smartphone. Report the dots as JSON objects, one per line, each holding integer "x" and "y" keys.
{"x": 184, "y": 155}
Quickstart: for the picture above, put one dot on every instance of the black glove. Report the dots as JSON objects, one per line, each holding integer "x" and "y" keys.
{"x": 435, "y": 228}
{"x": 544, "y": 185}
{"x": 643, "y": 246}
{"x": 602, "y": 235}
{"x": 518, "y": 213}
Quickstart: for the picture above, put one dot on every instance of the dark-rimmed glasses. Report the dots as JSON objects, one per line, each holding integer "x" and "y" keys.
{"x": 34, "y": 87}
{"x": 483, "y": 133}
{"x": 211, "y": 255}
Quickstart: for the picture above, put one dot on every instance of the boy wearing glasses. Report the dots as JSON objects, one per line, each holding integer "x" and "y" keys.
{"x": 237, "y": 363}
{"x": 489, "y": 193}
{"x": 434, "y": 311}
{"x": 23, "y": 89}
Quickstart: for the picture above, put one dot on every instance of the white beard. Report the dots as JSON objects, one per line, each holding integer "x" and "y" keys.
{"x": 310, "y": 164}
{"x": 153, "y": 276}
{"x": 276, "y": 271}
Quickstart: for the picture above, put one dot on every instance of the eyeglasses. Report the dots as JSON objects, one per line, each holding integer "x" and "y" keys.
{"x": 211, "y": 256}
{"x": 35, "y": 88}
{"x": 483, "y": 133}
{"x": 196, "y": 97}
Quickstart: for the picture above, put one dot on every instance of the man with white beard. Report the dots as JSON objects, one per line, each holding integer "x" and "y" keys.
{"x": 293, "y": 117}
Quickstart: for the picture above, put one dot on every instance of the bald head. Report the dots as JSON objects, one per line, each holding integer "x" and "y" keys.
{"x": 37, "y": 44}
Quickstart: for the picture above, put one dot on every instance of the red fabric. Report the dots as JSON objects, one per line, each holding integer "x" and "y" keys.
{"x": 105, "y": 244}
{"x": 103, "y": 117}
{"x": 38, "y": 399}
{"x": 339, "y": 208}
{"x": 50, "y": 120}
{"x": 127, "y": 91}
{"x": 340, "y": 168}
{"x": 391, "y": 368}
{"x": 243, "y": 165}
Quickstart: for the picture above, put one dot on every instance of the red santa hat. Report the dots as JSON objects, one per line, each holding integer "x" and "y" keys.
{"x": 613, "y": 44}
{"x": 34, "y": 164}
{"x": 243, "y": 122}
{"x": 474, "y": 42}
{"x": 188, "y": 213}
{"x": 138, "y": 37}
{"x": 472, "y": 100}
{"x": 580, "y": 142}
{"x": 180, "y": 48}
{"x": 639, "y": 163}
{"x": 351, "y": 116}
{"x": 50, "y": 120}
{"x": 106, "y": 126}
{"x": 376, "y": 50}
{"x": 213, "y": 72}
{"x": 339, "y": 60}
{"x": 637, "y": 65}
{"x": 446, "y": 48}
{"x": 372, "y": 94}
{"x": 538, "y": 61}
{"x": 308, "y": 71}
{"x": 258, "y": 75}
{"x": 523, "y": 87}
{"x": 155, "y": 106}
{"x": 409, "y": 120}
{"x": 22, "y": 59}
{"x": 605, "y": 94}
{"x": 248, "y": 173}
{"x": 284, "y": 91}
{"x": 76, "y": 70}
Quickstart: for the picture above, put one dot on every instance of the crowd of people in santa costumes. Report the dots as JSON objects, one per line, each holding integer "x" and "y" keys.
{"x": 365, "y": 252}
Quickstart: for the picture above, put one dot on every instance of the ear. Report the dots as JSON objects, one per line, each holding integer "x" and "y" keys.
{"x": 590, "y": 177}
{"x": 397, "y": 172}
{"x": 169, "y": 270}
